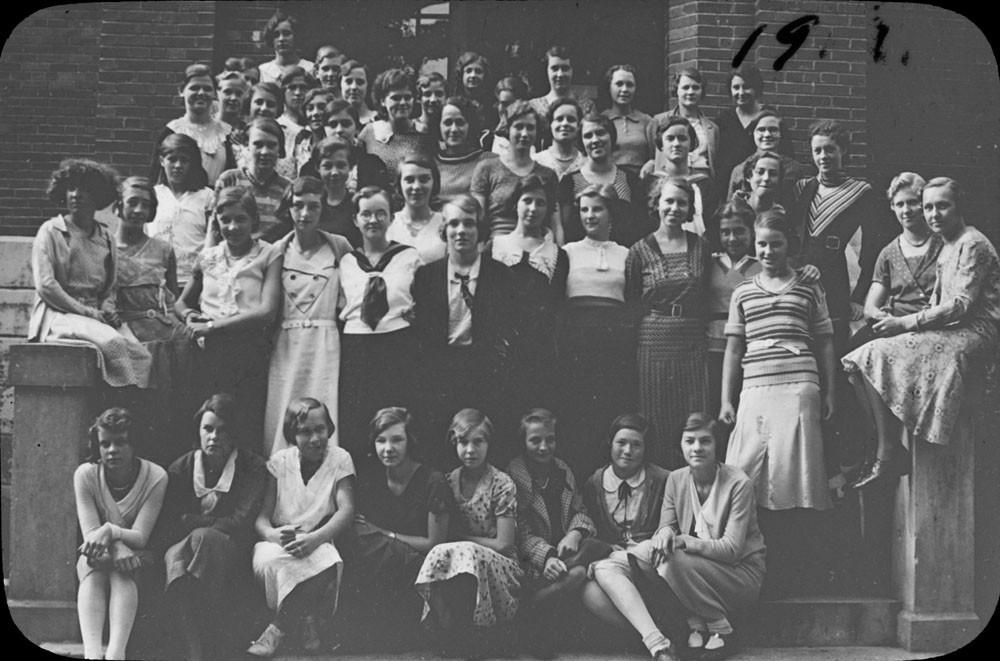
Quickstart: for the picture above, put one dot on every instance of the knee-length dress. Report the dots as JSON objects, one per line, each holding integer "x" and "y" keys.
{"x": 137, "y": 511}
{"x": 924, "y": 377}
{"x": 146, "y": 306}
{"x": 74, "y": 271}
{"x": 721, "y": 568}
{"x": 305, "y": 356}
{"x": 497, "y": 576}
{"x": 778, "y": 438}
{"x": 304, "y": 505}
{"x": 672, "y": 348}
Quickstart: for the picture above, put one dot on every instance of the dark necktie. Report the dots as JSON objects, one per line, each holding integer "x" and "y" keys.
{"x": 463, "y": 281}
{"x": 624, "y": 492}
{"x": 375, "y": 303}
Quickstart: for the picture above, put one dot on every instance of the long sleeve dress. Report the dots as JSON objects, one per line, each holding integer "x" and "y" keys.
{"x": 926, "y": 376}
{"x": 305, "y": 355}
{"x": 498, "y": 577}
{"x": 74, "y": 271}
{"x": 672, "y": 347}
{"x": 721, "y": 568}
{"x": 307, "y": 506}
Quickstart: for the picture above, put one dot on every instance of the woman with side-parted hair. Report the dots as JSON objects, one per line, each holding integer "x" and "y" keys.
{"x": 118, "y": 500}
{"x": 563, "y": 154}
{"x": 688, "y": 85}
{"x": 74, "y": 262}
{"x": 213, "y": 497}
{"x": 393, "y": 135}
{"x": 764, "y": 179}
{"x": 354, "y": 82}
{"x": 279, "y": 33}
{"x": 199, "y": 122}
{"x": 665, "y": 278}
{"x": 460, "y": 150}
{"x": 495, "y": 134}
{"x": 632, "y": 148}
{"x": 305, "y": 353}
{"x": 923, "y": 368}
{"x": 473, "y": 580}
{"x": 433, "y": 90}
{"x": 375, "y": 282}
{"x": 417, "y": 224}
{"x": 403, "y": 509}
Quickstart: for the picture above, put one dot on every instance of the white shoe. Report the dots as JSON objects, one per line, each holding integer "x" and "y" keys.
{"x": 268, "y": 642}
{"x": 696, "y": 639}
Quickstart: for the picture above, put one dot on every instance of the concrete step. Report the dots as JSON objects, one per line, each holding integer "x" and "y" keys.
{"x": 828, "y": 621}
{"x": 15, "y": 311}
{"x": 15, "y": 262}
{"x": 75, "y": 651}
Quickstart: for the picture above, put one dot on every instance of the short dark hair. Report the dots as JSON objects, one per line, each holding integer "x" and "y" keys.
{"x": 557, "y": 50}
{"x": 533, "y": 181}
{"x": 389, "y": 417}
{"x": 327, "y": 147}
{"x": 299, "y": 186}
{"x": 539, "y": 416}
{"x": 676, "y": 120}
{"x": 691, "y": 72}
{"x": 464, "y": 60}
{"x": 197, "y": 178}
{"x": 604, "y": 121}
{"x": 238, "y": 195}
{"x": 221, "y": 404}
{"x": 141, "y": 183}
{"x": 833, "y": 130}
{"x": 470, "y": 111}
{"x": 297, "y": 411}
{"x": 777, "y": 220}
{"x": 270, "y": 88}
{"x": 414, "y": 158}
{"x": 272, "y": 24}
{"x": 272, "y": 128}
{"x": 293, "y": 72}
{"x": 98, "y": 179}
{"x": 750, "y": 75}
{"x": 197, "y": 70}
{"x": 369, "y": 192}
{"x": 116, "y": 419}
{"x": 389, "y": 80}
{"x": 751, "y": 163}
{"x": 633, "y": 421}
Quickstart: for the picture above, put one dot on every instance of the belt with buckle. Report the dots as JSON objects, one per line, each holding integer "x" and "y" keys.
{"x": 675, "y": 310}
{"x": 308, "y": 323}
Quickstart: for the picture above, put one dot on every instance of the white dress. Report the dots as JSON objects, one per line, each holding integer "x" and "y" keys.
{"x": 304, "y": 505}
{"x": 305, "y": 358}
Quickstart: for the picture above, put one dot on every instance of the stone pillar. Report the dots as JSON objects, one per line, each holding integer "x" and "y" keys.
{"x": 934, "y": 546}
{"x": 56, "y": 386}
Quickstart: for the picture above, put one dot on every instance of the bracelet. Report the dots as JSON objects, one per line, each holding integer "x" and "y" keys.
{"x": 392, "y": 535}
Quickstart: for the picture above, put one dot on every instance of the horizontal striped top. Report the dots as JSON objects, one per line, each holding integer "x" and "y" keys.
{"x": 794, "y": 315}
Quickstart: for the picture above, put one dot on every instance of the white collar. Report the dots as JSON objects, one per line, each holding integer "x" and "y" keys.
{"x": 222, "y": 486}
{"x": 473, "y": 272}
{"x": 612, "y": 482}
{"x": 543, "y": 258}
{"x": 727, "y": 261}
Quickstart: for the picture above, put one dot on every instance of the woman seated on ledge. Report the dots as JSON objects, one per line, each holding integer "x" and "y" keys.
{"x": 709, "y": 549}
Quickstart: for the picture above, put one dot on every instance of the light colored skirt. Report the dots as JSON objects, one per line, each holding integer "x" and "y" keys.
{"x": 778, "y": 443}
{"x": 123, "y": 361}
{"x": 498, "y": 578}
{"x": 280, "y": 572}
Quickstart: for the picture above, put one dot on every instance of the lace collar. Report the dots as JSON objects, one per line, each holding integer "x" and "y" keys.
{"x": 211, "y": 137}
{"x": 543, "y": 258}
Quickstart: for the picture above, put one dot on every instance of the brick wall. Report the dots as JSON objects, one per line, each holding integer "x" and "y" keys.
{"x": 48, "y": 76}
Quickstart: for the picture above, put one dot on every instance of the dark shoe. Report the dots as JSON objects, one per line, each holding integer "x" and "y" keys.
{"x": 310, "y": 634}
{"x": 718, "y": 647}
{"x": 880, "y": 469}
{"x": 666, "y": 654}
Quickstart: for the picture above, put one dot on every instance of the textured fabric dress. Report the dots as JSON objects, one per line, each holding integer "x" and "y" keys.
{"x": 629, "y": 216}
{"x": 495, "y": 182}
{"x": 146, "y": 306}
{"x": 778, "y": 438}
{"x": 267, "y": 194}
{"x": 214, "y": 141}
{"x": 379, "y": 140}
{"x": 925, "y": 377}
{"x": 74, "y": 271}
{"x": 456, "y": 171}
{"x": 305, "y": 354}
{"x": 307, "y": 506}
{"x": 137, "y": 511}
{"x": 497, "y": 576}
{"x": 671, "y": 356}
{"x": 721, "y": 569}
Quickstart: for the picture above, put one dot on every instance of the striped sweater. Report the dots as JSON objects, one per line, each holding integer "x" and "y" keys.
{"x": 778, "y": 327}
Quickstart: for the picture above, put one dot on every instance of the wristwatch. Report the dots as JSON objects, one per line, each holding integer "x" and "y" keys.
{"x": 210, "y": 325}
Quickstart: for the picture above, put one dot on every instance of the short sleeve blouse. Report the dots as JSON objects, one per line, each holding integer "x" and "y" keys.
{"x": 426, "y": 493}
{"x": 495, "y": 497}
{"x": 231, "y": 285}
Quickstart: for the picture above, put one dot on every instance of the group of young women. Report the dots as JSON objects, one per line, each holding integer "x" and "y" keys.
{"x": 303, "y": 266}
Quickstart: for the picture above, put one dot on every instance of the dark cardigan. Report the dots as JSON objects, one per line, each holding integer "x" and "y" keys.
{"x": 647, "y": 521}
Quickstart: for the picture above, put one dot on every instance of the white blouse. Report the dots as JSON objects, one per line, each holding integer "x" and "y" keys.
{"x": 427, "y": 240}
{"x": 596, "y": 268}
{"x": 398, "y": 276}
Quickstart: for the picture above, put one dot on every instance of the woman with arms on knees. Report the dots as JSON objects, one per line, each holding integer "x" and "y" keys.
{"x": 625, "y": 498}
{"x": 632, "y": 148}
{"x": 308, "y": 506}
{"x": 494, "y": 180}
{"x": 280, "y": 34}
{"x": 403, "y": 510}
{"x": 460, "y": 151}
{"x": 596, "y": 339}
{"x": 552, "y": 531}
{"x": 767, "y": 132}
{"x": 473, "y": 581}
{"x": 375, "y": 282}
{"x": 74, "y": 262}
{"x": 598, "y": 138}
{"x": 229, "y": 304}
{"x": 213, "y": 497}
{"x": 198, "y": 122}
{"x": 393, "y": 135}
{"x": 118, "y": 500}
{"x": 709, "y": 549}
{"x": 464, "y": 309}
{"x": 666, "y": 275}
{"x": 305, "y": 353}
{"x": 922, "y": 367}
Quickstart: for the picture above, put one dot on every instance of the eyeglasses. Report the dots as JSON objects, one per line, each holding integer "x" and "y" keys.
{"x": 367, "y": 214}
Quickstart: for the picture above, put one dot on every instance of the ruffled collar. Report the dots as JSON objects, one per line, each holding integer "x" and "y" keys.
{"x": 211, "y": 137}
{"x": 543, "y": 258}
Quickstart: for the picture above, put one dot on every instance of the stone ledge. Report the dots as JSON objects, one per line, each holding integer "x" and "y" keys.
{"x": 40, "y": 620}
{"x": 53, "y": 364}
{"x": 15, "y": 262}
{"x": 832, "y": 621}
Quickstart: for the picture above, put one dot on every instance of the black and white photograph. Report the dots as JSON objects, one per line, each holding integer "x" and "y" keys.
{"x": 482, "y": 329}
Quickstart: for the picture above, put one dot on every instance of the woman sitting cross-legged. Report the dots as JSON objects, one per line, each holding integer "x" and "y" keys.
{"x": 554, "y": 532}
{"x": 308, "y": 505}
{"x": 626, "y": 497}
{"x": 403, "y": 509}
{"x": 709, "y": 549}
{"x": 213, "y": 496}
{"x": 474, "y": 580}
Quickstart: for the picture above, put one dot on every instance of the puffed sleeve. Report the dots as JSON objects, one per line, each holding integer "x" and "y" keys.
{"x": 883, "y": 269}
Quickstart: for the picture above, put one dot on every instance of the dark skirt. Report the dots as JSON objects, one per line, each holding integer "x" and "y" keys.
{"x": 376, "y": 371}
{"x": 596, "y": 378}
{"x": 237, "y": 363}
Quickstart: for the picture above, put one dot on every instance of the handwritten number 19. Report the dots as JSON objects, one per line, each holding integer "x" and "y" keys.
{"x": 792, "y": 34}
